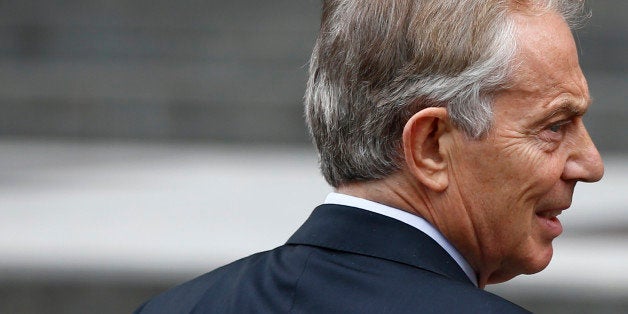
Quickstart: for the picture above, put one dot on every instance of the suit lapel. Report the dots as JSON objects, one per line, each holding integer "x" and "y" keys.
{"x": 358, "y": 231}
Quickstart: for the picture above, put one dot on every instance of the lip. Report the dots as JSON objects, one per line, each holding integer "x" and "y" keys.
{"x": 549, "y": 222}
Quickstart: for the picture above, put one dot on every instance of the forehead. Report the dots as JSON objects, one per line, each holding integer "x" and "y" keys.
{"x": 546, "y": 70}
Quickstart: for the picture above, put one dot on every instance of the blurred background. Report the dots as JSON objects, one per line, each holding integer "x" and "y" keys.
{"x": 143, "y": 143}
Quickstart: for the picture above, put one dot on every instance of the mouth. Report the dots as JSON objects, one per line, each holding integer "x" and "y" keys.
{"x": 549, "y": 222}
{"x": 550, "y": 214}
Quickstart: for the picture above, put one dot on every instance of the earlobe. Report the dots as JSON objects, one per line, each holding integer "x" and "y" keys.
{"x": 422, "y": 144}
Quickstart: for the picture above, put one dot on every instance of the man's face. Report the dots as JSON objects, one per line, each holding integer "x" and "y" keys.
{"x": 513, "y": 183}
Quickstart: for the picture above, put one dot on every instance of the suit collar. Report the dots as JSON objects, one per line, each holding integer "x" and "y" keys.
{"x": 354, "y": 230}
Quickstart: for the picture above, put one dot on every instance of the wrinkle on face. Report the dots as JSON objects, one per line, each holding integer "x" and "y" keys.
{"x": 500, "y": 182}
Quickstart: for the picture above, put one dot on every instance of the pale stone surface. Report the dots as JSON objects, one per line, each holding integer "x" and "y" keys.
{"x": 125, "y": 211}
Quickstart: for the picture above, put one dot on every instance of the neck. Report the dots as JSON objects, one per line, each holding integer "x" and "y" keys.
{"x": 394, "y": 191}
{"x": 402, "y": 193}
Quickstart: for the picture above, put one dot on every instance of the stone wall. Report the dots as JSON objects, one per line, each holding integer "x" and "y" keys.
{"x": 225, "y": 70}
{"x": 209, "y": 70}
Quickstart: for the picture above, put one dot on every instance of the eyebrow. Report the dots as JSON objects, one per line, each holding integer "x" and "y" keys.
{"x": 567, "y": 106}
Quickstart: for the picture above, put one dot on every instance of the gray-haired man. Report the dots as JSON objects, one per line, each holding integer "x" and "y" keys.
{"x": 452, "y": 133}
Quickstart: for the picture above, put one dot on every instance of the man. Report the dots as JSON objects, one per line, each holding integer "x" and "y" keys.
{"x": 452, "y": 133}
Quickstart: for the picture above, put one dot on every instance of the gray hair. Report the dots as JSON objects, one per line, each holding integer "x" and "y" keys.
{"x": 377, "y": 62}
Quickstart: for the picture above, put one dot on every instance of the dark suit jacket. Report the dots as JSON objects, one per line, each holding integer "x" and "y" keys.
{"x": 342, "y": 260}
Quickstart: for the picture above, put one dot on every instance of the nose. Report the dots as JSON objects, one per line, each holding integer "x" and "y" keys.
{"x": 584, "y": 162}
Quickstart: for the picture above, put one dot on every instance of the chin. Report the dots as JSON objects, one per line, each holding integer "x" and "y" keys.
{"x": 532, "y": 264}
{"x": 538, "y": 261}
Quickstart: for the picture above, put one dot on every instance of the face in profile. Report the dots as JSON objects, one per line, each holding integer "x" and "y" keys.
{"x": 512, "y": 185}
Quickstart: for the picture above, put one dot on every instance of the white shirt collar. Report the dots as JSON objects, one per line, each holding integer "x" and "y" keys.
{"x": 410, "y": 219}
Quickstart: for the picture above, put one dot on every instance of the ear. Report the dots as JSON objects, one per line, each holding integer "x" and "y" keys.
{"x": 422, "y": 145}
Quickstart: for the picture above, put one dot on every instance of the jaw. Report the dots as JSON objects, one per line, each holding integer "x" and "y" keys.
{"x": 503, "y": 258}
{"x": 539, "y": 254}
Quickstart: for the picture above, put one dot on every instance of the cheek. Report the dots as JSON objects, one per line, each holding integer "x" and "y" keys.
{"x": 511, "y": 185}
{"x": 528, "y": 171}
{"x": 544, "y": 172}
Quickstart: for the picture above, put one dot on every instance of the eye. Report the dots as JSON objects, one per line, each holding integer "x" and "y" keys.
{"x": 556, "y": 127}
{"x": 554, "y": 132}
